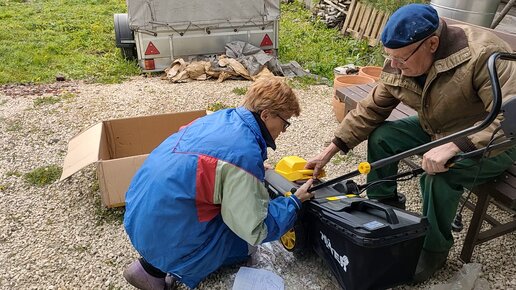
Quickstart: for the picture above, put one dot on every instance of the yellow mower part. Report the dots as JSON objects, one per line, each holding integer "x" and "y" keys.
{"x": 288, "y": 240}
{"x": 292, "y": 168}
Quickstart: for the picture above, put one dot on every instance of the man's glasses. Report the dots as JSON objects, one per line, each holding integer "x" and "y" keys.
{"x": 401, "y": 60}
{"x": 286, "y": 123}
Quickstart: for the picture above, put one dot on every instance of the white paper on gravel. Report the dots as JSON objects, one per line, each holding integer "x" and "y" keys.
{"x": 257, "y": 279}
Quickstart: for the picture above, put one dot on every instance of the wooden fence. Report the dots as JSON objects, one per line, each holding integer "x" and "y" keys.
{"x": 364, "y": 22}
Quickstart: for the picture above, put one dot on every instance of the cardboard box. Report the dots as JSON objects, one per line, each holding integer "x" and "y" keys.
{"x": 119, "y": 148}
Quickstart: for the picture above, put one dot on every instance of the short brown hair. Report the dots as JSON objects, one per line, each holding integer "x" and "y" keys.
{"x": 271, "y": 93}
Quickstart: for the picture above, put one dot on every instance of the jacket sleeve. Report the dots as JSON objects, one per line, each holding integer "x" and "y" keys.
{"x": 506, "y": 71}
{"x": 246, "y": 209}
{"x": 369, "y": 113}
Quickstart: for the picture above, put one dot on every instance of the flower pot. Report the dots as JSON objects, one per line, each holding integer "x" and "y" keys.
{"x": 339, "y": 108}
{"x": 371, "y": 71}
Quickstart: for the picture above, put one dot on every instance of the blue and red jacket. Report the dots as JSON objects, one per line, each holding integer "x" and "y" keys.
{"x": 199, "y": 199}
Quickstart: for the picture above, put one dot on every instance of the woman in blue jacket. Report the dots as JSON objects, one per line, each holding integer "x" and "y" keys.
{"x": 198, "y": 202}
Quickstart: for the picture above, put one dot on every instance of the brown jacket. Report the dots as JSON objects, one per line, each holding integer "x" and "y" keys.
{"x": 456, "y": 95}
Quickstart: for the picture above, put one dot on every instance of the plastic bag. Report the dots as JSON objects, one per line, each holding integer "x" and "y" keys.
{"x": 467, "y": 278}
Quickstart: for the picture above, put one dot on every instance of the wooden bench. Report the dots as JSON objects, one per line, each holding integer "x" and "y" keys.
{"x": 501, "y": 190}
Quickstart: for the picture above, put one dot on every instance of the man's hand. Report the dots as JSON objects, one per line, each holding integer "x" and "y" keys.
{"x": 302, "y": 192}
{"x": 435, "y": 159}
{"x": 319, "y": 161}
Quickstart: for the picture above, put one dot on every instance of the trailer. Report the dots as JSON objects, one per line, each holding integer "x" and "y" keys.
{"x": 155, "y": 32}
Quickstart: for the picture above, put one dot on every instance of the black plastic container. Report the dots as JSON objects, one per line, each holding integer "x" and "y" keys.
{"x": 367, "y": 245}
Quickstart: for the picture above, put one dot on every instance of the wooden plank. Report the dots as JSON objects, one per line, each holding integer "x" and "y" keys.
{"x": 365, "y": 20}
{"x": 349, "y": 15}
{"x": 355, "y": 30}
{"x": 370, "y": 21}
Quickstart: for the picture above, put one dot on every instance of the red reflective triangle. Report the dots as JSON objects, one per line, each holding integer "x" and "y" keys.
{"x": 151, "y": 49}
{"x": 266, "y": 41}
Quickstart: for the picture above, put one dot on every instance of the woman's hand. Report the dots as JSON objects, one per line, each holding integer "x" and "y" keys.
{"x": 302, "y": 192}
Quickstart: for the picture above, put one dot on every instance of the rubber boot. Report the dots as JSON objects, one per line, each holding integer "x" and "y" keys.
{"x": 428, "y": 264}
{"x": 136, "y": 275}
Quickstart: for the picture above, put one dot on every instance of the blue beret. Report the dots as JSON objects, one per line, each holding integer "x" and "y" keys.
{"x": 409, "y": 24}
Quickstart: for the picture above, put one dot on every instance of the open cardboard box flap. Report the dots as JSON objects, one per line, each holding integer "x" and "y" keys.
{"x": 119, "y": 147}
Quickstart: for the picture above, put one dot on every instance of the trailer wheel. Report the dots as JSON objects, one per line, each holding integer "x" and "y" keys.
{"x": 124, "y": 36}
{"x": 295, "y": 240}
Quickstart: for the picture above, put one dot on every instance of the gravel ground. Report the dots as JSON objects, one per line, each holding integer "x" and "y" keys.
{"x": 59, "y": 236}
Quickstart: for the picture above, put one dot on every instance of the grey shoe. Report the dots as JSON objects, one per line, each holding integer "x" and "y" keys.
{"x": 428, "y": 264}
{"x": 139, "y": 278}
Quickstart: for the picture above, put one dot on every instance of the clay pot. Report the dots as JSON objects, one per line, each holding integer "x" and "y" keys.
{"x": 370, "y": 71}
{"x": 339, "y": 108}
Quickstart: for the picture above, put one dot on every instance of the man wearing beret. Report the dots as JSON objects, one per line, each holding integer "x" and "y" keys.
{"x": 441, "y": 72}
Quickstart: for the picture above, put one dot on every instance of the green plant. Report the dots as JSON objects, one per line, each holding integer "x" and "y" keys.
{"x": 240, "y": 91}
{"x": 302, "y": 82}
{"x": 339, "y": 158}
{"x": 217, "y": 106}
{"x": 13, "y": 173}
{"x": 318, "y": 48}
{"x": 43, "y": 175}
{"x": 102, "y": 214}
{"x": 46, "y": 101}
{"x": 14, "y": 125}
{"x": 391, "y": 5}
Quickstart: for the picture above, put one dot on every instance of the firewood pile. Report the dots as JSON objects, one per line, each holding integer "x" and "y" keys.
{"x": 332, "y": 12}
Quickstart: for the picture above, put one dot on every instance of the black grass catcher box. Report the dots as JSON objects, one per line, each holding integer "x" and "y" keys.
{"x": 367, "y": 245}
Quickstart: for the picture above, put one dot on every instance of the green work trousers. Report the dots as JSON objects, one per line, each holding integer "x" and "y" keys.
{"x": 440, "y": 192}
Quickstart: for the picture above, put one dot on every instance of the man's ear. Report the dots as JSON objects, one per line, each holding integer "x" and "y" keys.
{"x": 434, "y": 43}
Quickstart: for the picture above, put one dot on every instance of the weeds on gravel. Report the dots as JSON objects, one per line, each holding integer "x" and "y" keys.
{"x": 14, "y": 125}
{"x": 50, "y": 100}
{"x": 302, "y": 82}
{"x": 217, "y": 106}
{"x": 42, "y": 176}
{"x": 13, "y": 173}
{"x": 102, "y": 214}
{"x": 240, "y": 91}
{"x": 339, "y": 158}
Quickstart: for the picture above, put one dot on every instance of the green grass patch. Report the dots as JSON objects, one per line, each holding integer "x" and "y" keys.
{"x": 42, "y": 176}
{"x": 302, "y": 82}
{"x": 41, "y": 39}
{"x": 240, "y": 91}
{"x": 13, "y": 173}
{"x": 41, "y": 101}
{"x": 14, "y": 125}
{"x": 318, "y": 48}
{"x": 217, "y": 106}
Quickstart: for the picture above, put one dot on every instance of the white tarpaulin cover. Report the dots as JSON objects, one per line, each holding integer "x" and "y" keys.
{"x": 143, "y": 13}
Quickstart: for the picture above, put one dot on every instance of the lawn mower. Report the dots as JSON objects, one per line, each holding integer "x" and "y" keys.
{"x": 367, "y": 244}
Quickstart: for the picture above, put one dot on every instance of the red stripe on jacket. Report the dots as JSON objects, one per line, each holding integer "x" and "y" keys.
{"x": 205, "y": 188}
